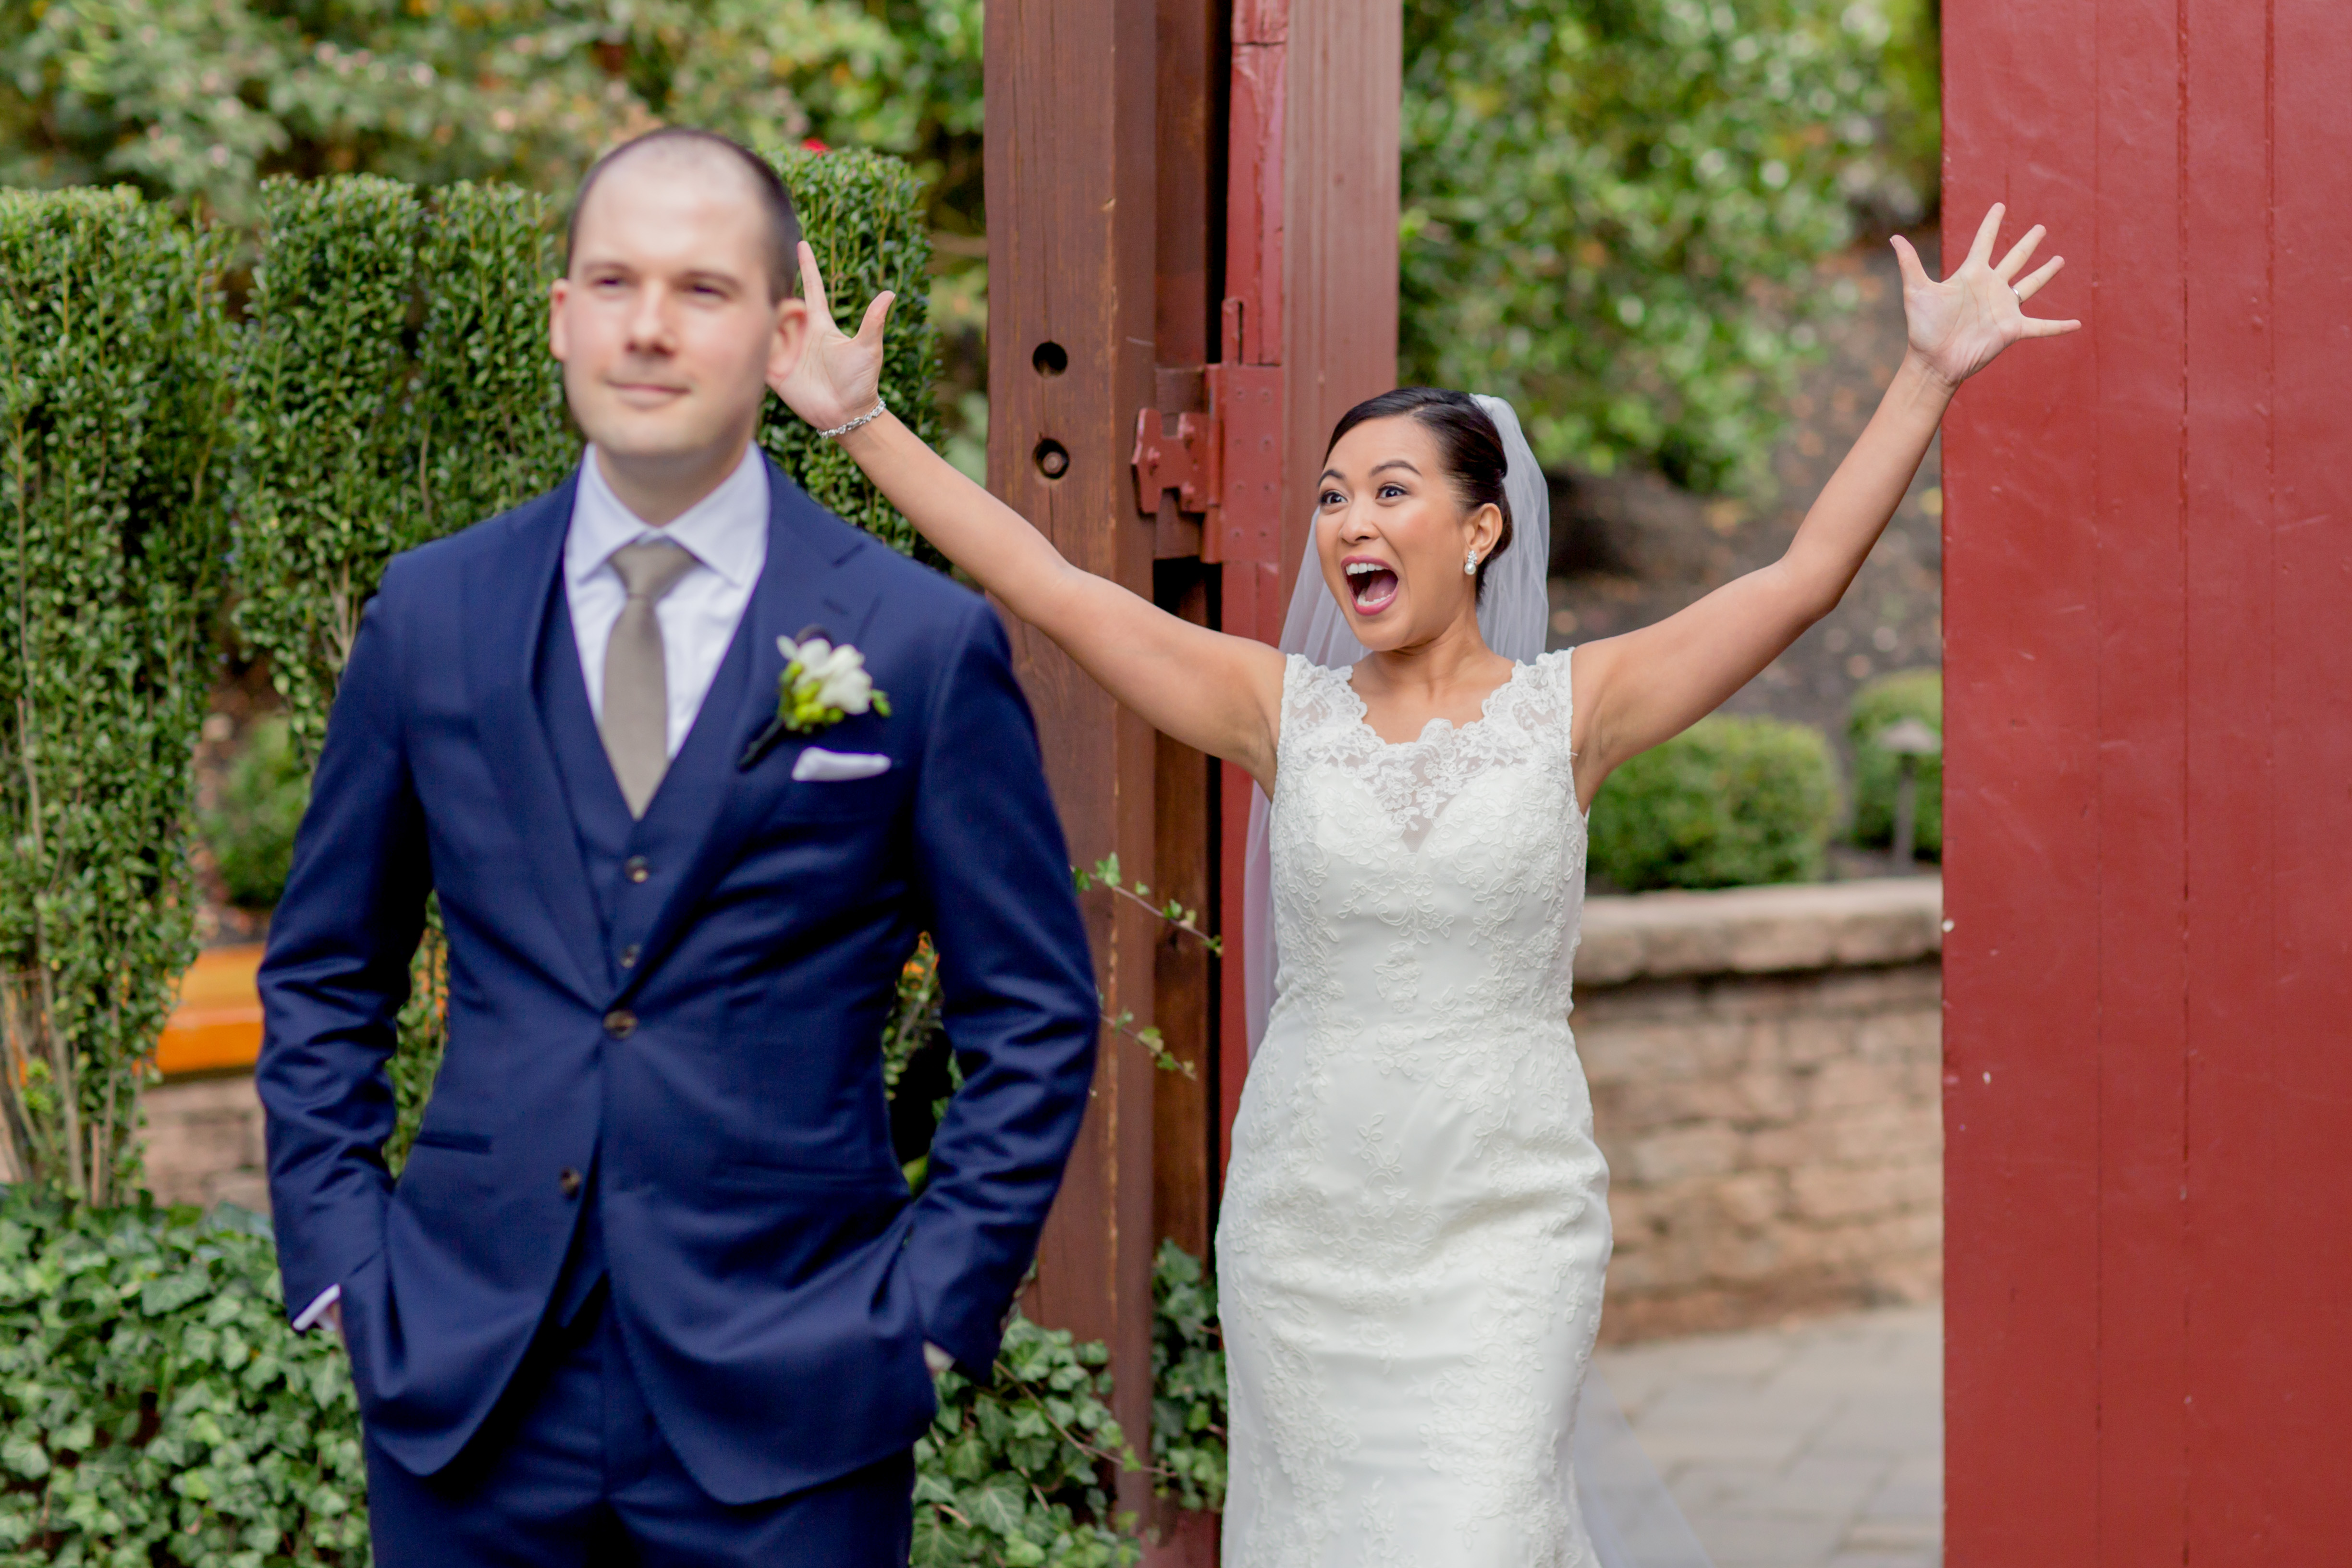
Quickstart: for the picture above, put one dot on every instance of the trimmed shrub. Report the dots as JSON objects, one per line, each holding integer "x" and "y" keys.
{"x": 111, "y": 408}
{"x": 251, "y": 830}
{"x": 1730, "y": 803}
{"x": 155, "y": 1407}
{"x": 1906, "y": 694}
{"x": 864, "y": 216}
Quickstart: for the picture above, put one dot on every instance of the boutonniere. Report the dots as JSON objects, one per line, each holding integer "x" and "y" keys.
{"x": 822, "y": 685}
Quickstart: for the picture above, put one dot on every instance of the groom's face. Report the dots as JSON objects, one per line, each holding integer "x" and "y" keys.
{"x": 665, "y": 321}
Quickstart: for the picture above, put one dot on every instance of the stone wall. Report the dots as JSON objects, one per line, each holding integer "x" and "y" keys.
{"x": 1766, "y": 1070}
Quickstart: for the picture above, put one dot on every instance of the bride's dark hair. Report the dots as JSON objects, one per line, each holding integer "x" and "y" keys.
{"x": 1470, "y": 445}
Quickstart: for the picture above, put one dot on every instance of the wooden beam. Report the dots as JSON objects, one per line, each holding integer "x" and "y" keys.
{"x": 1071, "y": 138}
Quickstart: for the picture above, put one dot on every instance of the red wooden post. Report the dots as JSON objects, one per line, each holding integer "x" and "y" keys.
{"x": 2149, "y": 724}
{"x": 1070, "y": 171}
{"x": 1310, "y": 324}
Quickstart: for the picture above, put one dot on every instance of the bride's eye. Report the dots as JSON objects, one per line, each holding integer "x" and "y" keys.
{"x": 1330, "y": 498}
{"x": 1391, "y": 491}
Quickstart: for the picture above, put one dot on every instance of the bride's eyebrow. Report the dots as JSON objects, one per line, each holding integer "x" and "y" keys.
{"x": 1397, "y": 463}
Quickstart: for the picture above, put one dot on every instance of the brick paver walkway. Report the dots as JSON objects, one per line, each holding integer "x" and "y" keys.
{"x": 1816, "y": 1446}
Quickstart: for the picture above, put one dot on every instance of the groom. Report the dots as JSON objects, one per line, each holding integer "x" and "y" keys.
{"x": 650, "y": 1287}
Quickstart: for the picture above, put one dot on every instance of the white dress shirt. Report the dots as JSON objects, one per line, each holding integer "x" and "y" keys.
{"x": 726, "y": 532}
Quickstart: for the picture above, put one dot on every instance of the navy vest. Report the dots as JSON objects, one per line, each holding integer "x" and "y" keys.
{"x": 619, "y": 854}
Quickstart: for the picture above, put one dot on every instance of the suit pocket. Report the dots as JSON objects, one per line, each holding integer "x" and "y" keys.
{"x": 454, "y": 1140}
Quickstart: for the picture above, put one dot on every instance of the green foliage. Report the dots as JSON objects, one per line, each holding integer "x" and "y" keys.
{"x": 1914, "y": 95}
{"x": 863, "y": 215}
{"x": 359, "y": 435}
{"x": 250, "y": 830}
{"x": 1908, "y": 694}
{"x": 1730, "y": 803}
{"x": 110, "y": 404}
{"x": 202, "y": 98}
{"x": 155, "y": 1407}
{"x": 1189, "y": 1413}
{"x": 1012, "y": 1474}
{"x": 1612, "y": 210}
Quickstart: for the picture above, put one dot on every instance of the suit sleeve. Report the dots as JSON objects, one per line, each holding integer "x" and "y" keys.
{"x": 1020, "y": 1011}
{"x": 336, "y": 972}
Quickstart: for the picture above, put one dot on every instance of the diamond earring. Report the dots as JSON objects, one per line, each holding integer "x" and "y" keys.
{"x": 1470, "y": 564}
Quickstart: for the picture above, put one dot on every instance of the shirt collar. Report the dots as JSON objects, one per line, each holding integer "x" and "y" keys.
{"x": 726, "y": 530}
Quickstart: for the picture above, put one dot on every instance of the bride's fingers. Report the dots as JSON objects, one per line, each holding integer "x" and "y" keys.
{"x": 2021, "y": 253}
{"x": 2035, "y": 327}
{"x": 1914, "y": 271}
{"x": 812, "y": 285}
{"x": 1987, "y": 232}
{"x": 869, "y": 331}
{"x": 2041, "y": 274}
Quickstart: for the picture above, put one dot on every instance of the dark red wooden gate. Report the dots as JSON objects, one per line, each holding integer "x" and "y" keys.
{"x": 2148, "y": 808}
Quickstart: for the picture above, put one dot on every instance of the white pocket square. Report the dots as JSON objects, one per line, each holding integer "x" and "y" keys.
{"x": 830, "y": 767}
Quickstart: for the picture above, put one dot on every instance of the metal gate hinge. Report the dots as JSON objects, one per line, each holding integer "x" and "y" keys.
{"x": 1188, "y": 459}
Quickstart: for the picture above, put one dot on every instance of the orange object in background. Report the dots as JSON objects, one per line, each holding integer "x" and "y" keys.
{"x": 216, "y": 1024}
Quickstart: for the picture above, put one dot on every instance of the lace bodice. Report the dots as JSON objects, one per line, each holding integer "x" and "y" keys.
{"x": 1470, "y": 833}
{"x": 1416, "y": 1226}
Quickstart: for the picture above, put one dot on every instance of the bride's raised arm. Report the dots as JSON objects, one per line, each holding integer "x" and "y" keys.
{"x": 1635, "y": 690}
{"x": 1215, "y": 693}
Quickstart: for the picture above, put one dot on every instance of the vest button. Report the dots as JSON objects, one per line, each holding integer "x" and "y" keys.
{"x": 620, "y": 1022}
{"x": 635, "y": 869}
{"x": 629, "y": 956}
{"x": 569, "y": 1182}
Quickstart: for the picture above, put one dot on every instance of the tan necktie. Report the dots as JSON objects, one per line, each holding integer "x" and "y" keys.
{"x": 636, "y": 721}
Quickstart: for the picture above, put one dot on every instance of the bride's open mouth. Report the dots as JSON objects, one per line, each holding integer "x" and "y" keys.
{"x": 1371, "y": 582}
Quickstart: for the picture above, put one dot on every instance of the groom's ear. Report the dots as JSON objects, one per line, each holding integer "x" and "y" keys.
{"x": 790, "y": 339}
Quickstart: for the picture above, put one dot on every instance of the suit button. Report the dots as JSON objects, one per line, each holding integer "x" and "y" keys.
{"x": 569, "y": 1182}
{"x": 620, "y": 1022}
{"x": 629, "y": 956}
{"x": 635, "y": 869}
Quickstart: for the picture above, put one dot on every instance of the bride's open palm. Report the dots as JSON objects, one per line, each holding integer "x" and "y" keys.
{"x": 1962, "y": 324}
{"x": 837, "y": 377}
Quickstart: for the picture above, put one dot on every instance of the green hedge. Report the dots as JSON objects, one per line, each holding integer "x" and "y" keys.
{"x": 1908, "y": 694}
{"x": 1728, "y": 803}
{"x": 110, "y": 407}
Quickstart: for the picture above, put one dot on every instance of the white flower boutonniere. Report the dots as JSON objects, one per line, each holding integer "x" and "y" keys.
{"x": 823, "y": 683}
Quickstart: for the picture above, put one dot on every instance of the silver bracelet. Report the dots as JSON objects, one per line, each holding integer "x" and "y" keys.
{"x": 867, "y": 418}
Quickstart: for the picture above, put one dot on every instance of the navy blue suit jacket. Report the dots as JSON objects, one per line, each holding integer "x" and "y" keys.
{"x": 704, "y": 1041}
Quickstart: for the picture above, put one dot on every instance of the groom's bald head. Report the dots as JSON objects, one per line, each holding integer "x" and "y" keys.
{"x": 704, "y": 152}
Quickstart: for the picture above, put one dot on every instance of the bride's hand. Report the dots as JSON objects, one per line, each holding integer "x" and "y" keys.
{"x": 839, "y": 377}
{"x": 1960, "y": 325}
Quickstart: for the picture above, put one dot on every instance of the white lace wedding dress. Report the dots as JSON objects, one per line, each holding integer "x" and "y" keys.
{"x": 1415, "y": 1221}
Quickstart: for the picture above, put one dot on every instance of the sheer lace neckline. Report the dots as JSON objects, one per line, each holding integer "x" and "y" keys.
{"x": 1326, "y": 723}
{"x": 1439, "y": 726}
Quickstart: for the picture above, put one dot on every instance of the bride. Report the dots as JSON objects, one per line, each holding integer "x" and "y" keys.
{"x": 1416, "y": 1223}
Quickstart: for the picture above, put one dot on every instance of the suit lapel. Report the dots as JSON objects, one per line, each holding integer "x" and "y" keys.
{"x": 506, "y": 615}
{"x": 801, "y": 586}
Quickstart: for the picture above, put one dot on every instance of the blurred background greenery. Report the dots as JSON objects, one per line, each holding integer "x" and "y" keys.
{"x": 1616, "y": 212}
{"x": 1610, "y": 204}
